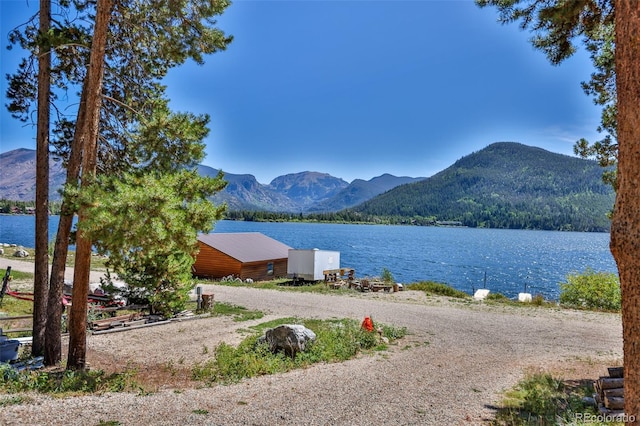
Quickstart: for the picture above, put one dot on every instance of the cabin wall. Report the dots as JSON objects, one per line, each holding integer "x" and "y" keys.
{"x": 259, "y": 271}
{"x": 211, "y": 263}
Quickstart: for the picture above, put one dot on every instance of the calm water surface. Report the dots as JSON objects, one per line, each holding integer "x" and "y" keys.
{"x": 461, "y": 257}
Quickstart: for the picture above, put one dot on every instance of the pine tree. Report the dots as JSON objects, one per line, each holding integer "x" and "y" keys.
{"x": 121, "y": 91}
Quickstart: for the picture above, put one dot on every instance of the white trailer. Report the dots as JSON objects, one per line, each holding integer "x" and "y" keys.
{"x": 309, "y": 264}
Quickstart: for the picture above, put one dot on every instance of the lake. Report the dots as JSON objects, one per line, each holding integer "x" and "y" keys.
{"x": 465, "y": 258}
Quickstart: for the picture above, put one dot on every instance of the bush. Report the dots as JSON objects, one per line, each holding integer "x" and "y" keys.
{"x": 591, "y": 290}
{"x": 499, "y": 297}
{"x": 64, "y": 382}
{"x": 541, "y": 399}
{"x": 387, "y": 276}
{"x": 440, "y": 289}
{"x": 538, "y": 300}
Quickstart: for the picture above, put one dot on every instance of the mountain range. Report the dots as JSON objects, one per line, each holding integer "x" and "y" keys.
{"x": 505, "y": 185}
{"x": 297, "y": 192}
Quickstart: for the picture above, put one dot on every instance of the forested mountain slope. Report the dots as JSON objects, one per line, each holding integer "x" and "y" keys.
{"x": 506, "y": 185}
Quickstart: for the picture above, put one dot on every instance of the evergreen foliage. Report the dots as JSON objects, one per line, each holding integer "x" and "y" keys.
{"x": 148, "y": 224}
{"x": 506, "y": 185}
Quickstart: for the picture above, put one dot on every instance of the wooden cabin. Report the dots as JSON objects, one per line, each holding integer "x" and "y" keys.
{"x": 242, "y": 254}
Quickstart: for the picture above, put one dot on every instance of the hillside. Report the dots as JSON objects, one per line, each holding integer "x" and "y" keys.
{"x": 506, "y": 185}
{"x": 18, "y": 176}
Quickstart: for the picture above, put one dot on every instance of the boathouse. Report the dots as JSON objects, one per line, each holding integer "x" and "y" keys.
{"x": 241, "y": 254}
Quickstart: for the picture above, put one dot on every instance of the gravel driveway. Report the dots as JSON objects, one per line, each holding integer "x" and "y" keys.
{"x": 449, "y": 370}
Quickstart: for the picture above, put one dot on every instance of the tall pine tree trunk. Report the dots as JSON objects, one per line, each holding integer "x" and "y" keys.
{"x": 78, "y": 318}
{"x": 41, "y": 268}
{"x": 53, "y": 338}
{"x": 625, "y": 227}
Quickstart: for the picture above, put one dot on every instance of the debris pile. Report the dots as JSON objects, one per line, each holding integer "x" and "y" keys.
{"x": 136, "y": 320}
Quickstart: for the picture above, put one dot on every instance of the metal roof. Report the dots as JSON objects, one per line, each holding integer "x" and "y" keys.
{"x": 246, "y": 246}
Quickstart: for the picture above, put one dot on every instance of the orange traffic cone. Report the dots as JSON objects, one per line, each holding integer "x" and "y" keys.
{"x": 367, "y": 324}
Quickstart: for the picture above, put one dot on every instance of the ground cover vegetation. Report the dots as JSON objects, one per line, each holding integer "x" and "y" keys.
{"x": 98, "y": 263}
{"x": 542, "y": 399}
{"x": 589, "y": 290}
{"x": 336, "y": 340}
{"x": 506, "y": 185}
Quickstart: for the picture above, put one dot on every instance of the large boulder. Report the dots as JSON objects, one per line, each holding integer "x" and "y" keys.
{"x": 20, "y": 253}
{"x": 290, "y": 338}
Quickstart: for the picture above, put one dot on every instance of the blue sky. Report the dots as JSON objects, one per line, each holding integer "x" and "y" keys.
{"x": 361, "y": 88}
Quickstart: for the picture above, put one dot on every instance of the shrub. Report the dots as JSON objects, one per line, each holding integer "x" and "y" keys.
{"x": 591, "y": 290}
{"x": 440, "y": 289}
{"x": 497, "y": 297}
{"x": 387, "y": 276}
{"x": 541, "y": 399}
{"x": 538, "y": 300}
{"x": 64, "y": 382}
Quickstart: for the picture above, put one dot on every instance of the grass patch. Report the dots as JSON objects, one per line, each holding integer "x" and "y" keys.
{"x": 281, "y": 284}
{"x": 239, "y": 313}
{"x": 15, "y": 307}
{"x": 264, "y": 326}
{"x": 15, "y": 400}
{"x": 65, "y": 382}
{"x": 18, "y": 275}
{"x": 336, "y": 341}
{"x": 97, "y": 262}
{"x": 439, "y": 289}
{"x": 536, "y": 301}
{"x": 541, "y": 399}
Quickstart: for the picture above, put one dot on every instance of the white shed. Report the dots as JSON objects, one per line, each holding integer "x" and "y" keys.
{"x": 309, "y": 264}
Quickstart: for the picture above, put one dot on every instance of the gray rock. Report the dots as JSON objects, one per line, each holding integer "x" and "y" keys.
{"x": 290, "y": 338}
{"x": 20, "y": 253}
